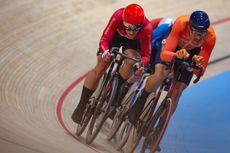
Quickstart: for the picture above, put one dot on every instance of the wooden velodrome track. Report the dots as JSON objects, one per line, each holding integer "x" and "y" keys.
{"x": 46, "y": 45}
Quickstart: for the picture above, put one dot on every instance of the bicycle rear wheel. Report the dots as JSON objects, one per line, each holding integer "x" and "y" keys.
{"x": 157, "y": 127}
{"x": 102, "y": 110}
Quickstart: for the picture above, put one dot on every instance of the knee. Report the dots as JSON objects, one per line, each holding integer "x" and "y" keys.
{"x": 178, "y": 89}
{"x": 129, "y": 63}
{"x": 160, "y": 71}
{"x": 160, "y": 74}
{"x": 133, "y": 54}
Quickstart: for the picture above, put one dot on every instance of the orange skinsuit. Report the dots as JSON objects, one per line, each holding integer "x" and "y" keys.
{"x": 181, "y": 36}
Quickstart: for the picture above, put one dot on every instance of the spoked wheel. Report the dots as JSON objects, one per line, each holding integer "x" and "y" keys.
{"x": 119, "y": 117}
{"x": 135, "y": 137}
{"x": 85, "y": 120}
{"x": 117, "y": 121}
{"x": 157, "y": 127}
{"x": 102, "y": 110}
{"x": 123, "y": 134}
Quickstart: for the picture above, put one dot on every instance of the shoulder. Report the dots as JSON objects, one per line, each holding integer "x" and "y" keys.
{"x": 211, "y": 36}
{"x": 118, "y": 13}
{"x": 155, "y": 22}
{"x": 182, "y": 21}
{"x": 211, "y": 31}
{"x": 147, "y": 27}
{"x": 180, "y": 24}
{"x": 116, "y": 18}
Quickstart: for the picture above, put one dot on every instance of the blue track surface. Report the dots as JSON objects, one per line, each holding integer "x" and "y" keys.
{"x": 201, "y": 123}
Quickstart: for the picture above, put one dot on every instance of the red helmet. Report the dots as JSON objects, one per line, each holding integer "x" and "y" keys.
{"x": 133, "y": 14}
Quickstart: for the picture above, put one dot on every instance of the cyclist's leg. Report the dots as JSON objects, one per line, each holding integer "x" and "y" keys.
{"x": 130, "y": 48}
{"x": 177, "y": 91}
{"x": 89, "y": 87}
{"x": 156, "y": 79}
{"x": 127, "y": 65}
{"x": 160, "y": 71}
{"x": 125, "y": 75}
{"x": 135, "y": 111}
{"x": 181, "y": 84}
{"x": 151, "y": 85}
{"x": 185, "y": 77}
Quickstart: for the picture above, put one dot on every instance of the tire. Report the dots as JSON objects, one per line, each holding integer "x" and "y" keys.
{"x": 123, "y": 135}
{"x": 158, "y": 125}
{"x": 117, "y": 121}
{"x": 119, "y": 116}
{"x": 85, "y": 120}
{"x": 134, "y": 138}
{"x": 102, "y": 110}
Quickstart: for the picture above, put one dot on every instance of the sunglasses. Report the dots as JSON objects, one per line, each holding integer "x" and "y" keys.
{"x": 131, "y": 27}
{"x": 199, "y": 32}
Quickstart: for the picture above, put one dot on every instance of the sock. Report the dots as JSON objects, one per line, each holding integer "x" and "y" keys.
{"x": 85, "y": 95}
{"x": 135, "y": 110}
{"x": 123, "y": 92}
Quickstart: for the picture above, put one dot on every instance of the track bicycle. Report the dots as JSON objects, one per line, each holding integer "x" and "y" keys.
{"x": 102, "y": 106}
{"x": 161, "y": 117}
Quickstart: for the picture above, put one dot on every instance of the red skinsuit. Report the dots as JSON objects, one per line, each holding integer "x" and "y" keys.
{"x": 180, "y": 36}
{"x": 116, "y": 24}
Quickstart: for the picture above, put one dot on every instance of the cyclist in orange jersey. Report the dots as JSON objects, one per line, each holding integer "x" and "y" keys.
{"x": 192, "y": 38}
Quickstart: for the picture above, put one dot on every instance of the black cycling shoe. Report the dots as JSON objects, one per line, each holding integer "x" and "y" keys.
{"x": 135, "y": 112}
{"x": 133, "y": 119}
{"x": 77, "y": 115}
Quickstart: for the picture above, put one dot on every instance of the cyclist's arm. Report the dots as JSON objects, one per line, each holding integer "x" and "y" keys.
{"x": 146, "y": 44}
{"x": 172, "y": 41}
{"x": 207, "y": 48}
{"x": 110, "y": 30}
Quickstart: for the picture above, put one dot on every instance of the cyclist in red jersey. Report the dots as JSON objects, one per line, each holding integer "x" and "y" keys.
{"x": 127, "y": 27}
{"x": 192, "y": 38}
{"x": 154, "y": 60}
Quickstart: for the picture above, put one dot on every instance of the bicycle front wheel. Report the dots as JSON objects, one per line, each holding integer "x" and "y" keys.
{"x": 157, "y": 127}
{"x": 102, "y": 110}
{"x": 119, "y": 116}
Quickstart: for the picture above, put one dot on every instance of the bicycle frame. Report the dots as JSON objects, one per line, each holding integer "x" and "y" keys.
{"x": 138, "y": 90}
{"x": 113, "y": 68}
